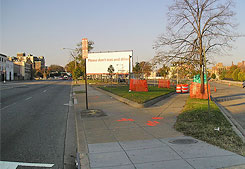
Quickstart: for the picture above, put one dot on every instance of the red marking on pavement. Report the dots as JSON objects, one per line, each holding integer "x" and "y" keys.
{"x": 124, "y": 119}
{"x": 157, "y": 118}
{"x": 152, "y": 123}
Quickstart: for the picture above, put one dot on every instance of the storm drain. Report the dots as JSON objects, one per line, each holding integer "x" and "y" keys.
{"x": 92, "y": 113}
{"x": 183, "y": 141}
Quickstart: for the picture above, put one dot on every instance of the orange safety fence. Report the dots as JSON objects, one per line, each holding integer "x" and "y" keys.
{"x": 162, "y": 83}
{"x": 195, "y": 91}
{"x": 138, "y": 85}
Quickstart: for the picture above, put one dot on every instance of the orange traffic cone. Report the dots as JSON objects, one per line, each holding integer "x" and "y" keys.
{"x": 215, "y": 89}
{"x": 229, "y": 84}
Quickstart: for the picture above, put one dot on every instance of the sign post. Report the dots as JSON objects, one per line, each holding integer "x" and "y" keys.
{"x": 205, "y": 61}
{"x": 85, "y": 56}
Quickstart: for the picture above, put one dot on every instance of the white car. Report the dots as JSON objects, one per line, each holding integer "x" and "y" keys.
{"x": 65, "y": 77}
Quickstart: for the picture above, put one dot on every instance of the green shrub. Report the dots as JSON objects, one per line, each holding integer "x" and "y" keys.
{"x": 241, "y": 76}
{"x": 213, "y": 76}
{"x": 77, "y": 73}
{"x": 235, "y": 74}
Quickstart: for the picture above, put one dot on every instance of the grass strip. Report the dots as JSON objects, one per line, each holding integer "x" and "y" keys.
{"x": 96, "y": 82}
{"x": 80, "y": 91}
{"x": 139, "y": 97}
{"x": 197, "y": 122}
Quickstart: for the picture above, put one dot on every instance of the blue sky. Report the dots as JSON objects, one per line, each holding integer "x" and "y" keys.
{"x": 44, "y": 27}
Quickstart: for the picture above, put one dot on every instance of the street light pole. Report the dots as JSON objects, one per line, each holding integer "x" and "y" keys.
{"x": 75, "y": 58}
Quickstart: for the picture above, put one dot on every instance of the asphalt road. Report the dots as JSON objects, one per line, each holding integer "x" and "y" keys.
{"x": 232, "y": 98}
{"x": 34, "y": 121}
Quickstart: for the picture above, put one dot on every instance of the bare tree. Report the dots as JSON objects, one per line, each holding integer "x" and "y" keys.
{"x": 196, "y": 27}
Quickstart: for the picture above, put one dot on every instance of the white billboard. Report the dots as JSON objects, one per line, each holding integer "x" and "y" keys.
{"x": 98, "y": 62}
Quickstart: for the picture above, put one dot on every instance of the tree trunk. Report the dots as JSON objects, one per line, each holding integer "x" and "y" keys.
{"x": 201, "y": 63}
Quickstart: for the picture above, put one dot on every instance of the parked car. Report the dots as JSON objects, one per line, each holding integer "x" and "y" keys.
{"x": 243, "y": 84}
{"x": 65, "y": 77}
{"x": 121, "y": 80}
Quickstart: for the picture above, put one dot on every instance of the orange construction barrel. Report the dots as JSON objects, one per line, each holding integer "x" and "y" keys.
{"x": 185, "y": 88}
{"x": 178, "y": 88}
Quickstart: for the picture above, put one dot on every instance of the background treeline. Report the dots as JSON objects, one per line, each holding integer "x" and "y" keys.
{"x": 234, "y": 73}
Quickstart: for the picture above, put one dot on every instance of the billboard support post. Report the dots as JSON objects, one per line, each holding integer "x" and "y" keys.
{"x": 86, "y": 89}
{"x": 129, "y": 70}
{"x": 85, "y": 56}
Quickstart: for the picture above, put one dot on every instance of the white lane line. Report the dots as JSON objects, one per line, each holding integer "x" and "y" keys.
{"x": 68, "y": 104}
{"x": 7, "y": 106}
{"x": 44, "y": 91}
{"x": 14, "y": 165}
{"x": 28, "y": 98}
{"x": 75, "y": 101}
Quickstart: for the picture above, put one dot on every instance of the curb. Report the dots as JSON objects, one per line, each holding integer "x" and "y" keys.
{"x": 227, "y": 82}
{"x": 235, "y": 167}
{"x": 69, "y": 153}
{"x": 82, "y": 160}
{"x": 157, "y": 99}
{"x": 132, "y": 103}
{"x": 235, "y": 125}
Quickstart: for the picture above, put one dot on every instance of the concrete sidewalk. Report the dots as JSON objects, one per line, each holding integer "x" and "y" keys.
{"x": 142, "y": 138}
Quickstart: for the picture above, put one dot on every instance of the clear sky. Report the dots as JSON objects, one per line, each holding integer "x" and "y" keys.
{"x": 44, "y": 27}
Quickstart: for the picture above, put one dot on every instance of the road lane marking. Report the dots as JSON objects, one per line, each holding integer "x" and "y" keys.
{"x": 14, "y": 165}
{"x": 11, "y": 86}
{"x": 7, "y": 106}
{"x": 75, "y": 101}
{"x": 68, "y": 104}
{"x": 28, "y": 98}
{"x": 44, "y": 91}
